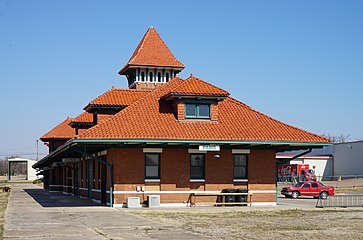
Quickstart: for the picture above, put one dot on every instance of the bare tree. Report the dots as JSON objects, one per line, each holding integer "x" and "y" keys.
{"x": 4, "y": 167}
{"x": 337, "y": 139}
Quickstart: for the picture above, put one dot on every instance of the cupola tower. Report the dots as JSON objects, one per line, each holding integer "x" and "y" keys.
{"x": 152, "y": 63}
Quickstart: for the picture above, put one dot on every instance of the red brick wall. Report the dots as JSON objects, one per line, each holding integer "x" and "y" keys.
{"x": 219, "y": 170}
{"x": 262, "y": 170}
{"x": 144, "y": 85}
{"x": 263, "y": 197}
{"x": 128, "y": 167}
{"x": 175, "y": 173}
{"x": 174, "y": 169}
{"x": 181, "y": 111}
{"x": 214, "y": 111}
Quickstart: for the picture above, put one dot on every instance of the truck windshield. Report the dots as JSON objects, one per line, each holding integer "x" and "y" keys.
{"x": 299, "y": 184}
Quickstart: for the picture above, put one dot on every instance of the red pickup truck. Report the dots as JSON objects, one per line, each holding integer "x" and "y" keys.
{"x": 314, "y": 189}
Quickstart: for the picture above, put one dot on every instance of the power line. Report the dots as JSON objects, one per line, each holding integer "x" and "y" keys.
{"x": 22, "y": 154}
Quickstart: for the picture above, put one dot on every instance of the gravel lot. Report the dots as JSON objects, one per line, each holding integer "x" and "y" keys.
{"x": 264, "y": 223}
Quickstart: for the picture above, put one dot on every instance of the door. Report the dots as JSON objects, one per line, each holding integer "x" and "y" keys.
{"x": 315, "y": 189}
{"x": 305, "y": 190}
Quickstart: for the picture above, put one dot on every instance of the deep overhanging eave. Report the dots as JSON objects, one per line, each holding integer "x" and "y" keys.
{"x": 111, "y": 141}
{"x": 52, "y": 154}
{"x": 115, "y": 142}
{"x": 172, "y": 96}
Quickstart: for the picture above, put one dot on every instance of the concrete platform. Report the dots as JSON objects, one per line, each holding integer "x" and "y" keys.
{"x": 33, "y": 213}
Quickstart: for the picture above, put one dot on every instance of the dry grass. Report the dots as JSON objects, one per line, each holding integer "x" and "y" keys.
{"x": 349, "y": 190}
{"x": 3, "y": 204}
{"x": 247, "y": 223}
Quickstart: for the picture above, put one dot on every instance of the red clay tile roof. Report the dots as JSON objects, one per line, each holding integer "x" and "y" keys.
{"x": 152, "y": 51}
{"x": 61, "y": 131}
{"x": 153, "y": 118}
{"x": 102, "y": 117}
{"x": 196, "y": 86}
{"x": 118, "y": 97}
{"x": 84, "y": 117}
{"x": 113, "y": 97}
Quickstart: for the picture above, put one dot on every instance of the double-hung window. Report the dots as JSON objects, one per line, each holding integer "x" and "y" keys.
{"x": 240, "y": 166}
{"x": 197, "y": 166}
{"x": 197, "y": 110}
{"x": 152, "y": 166}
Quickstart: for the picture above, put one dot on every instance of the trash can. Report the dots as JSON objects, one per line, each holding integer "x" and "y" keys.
{"x": 229, "y": 199}
{"x": 241, "y": 198}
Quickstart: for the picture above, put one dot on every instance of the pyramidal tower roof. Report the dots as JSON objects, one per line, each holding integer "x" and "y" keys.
{"x": 152, "y": 51}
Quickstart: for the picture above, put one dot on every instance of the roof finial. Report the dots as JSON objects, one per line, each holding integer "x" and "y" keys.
{"x": 151, "y": 26}
{"x": 191, "y": 75}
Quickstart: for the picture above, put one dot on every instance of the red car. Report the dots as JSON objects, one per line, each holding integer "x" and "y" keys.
{"x": 314, "y": 189}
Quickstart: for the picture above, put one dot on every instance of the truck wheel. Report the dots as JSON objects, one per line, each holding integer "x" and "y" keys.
{"x": 323, "y": 195}
{"x": 295, "y": 194}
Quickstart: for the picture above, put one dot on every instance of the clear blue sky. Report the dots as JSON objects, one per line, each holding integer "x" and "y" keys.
{"x": 300, "y": 62}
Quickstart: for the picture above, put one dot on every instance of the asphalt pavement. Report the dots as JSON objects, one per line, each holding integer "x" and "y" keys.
{"x": 300, "y": 203}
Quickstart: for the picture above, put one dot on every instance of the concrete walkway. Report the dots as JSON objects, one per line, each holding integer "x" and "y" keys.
{"x": 33, "y": 213}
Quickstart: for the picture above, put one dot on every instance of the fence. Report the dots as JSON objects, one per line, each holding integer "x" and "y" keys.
{"x": 343, "y": 181}
{"x": 346, "y": 200}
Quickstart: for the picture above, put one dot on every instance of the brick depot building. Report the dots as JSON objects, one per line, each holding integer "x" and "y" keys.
{"x": 166, "y": 136}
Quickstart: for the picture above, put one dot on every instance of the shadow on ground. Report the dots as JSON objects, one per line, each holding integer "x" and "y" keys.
{"x": 57, "y": 199}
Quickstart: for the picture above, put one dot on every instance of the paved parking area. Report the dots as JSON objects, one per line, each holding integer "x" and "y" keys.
{"x": 36, "y": 214}
{"x": 301, "y": 202}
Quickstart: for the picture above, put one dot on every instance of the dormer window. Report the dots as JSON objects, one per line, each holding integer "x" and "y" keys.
{"x": 197, "y": 111}
{"x": 195, "y": 100}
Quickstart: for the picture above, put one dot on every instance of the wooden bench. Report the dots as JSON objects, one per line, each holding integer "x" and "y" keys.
{"x": 193, "y": 196}
{"x": 5, "y": 189}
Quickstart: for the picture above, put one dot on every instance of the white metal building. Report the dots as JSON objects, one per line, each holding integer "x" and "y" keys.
{"x": 348, "y": 158}
{"x": 322, "y": 164}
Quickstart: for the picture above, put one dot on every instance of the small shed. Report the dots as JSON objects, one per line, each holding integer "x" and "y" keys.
{"x": 21, "y": 169}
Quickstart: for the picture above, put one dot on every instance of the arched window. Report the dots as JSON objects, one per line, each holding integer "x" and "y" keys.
{"x": 151, "y": 76}
{"x": 167, "y": 77}
{"x": 159, "y": 76}
{"x": 143, "y": 76}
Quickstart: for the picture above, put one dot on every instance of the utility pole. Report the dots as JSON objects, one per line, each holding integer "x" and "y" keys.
{"x": 37, "y": 150}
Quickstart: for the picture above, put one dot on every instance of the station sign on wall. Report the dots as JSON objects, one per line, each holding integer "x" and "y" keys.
{"x": 209, "y": 148}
